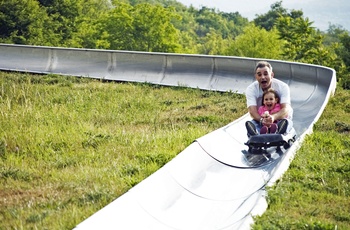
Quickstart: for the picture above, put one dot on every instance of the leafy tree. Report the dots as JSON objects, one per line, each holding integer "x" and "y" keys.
{"x": 344, "y": 51}
{"x": 339, "y": 38}
{"x": 332, "y": 34}
{"x": 187, "y": 21}
{"x": 257, "y": 42}
{"x": 302, "y": 39}
{"x": 305, "y": 44}
{"x": 165, "y": 3}
{"x": 144, "y": 27}
{"x": 188, "y": 43}
{"x": 214, "y": 44}
{"x": 269, "y": 19}
{"x": 237, "y": 21}
{"x": 153, "y": 30}
{"x": 212, "y": 30}
{"x": 64, "y": 13}
{"x": 209, "y": 19}
{"x": 86, "y": 31}
{"x": 116, "y": 29}
{"x": 23, "y": 22}
{"x": 74, "y": 21}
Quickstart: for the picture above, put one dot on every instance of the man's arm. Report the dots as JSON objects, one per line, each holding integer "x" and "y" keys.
{"x": 283, "y": 113}
{"x": 253, "y": 111}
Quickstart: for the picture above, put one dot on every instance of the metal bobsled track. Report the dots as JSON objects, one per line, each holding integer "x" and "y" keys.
{"x": 211, "y": 184}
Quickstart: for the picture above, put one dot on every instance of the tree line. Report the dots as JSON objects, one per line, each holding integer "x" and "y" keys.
{"x": 169, "y": 26}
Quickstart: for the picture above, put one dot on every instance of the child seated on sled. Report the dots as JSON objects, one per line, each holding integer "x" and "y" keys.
{"x": 270, "y": 101}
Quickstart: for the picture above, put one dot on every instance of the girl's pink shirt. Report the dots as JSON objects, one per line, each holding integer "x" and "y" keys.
{"x": 263, "y": 109}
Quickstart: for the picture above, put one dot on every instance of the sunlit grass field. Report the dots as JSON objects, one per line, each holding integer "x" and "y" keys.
{"x": 69, "y": 146}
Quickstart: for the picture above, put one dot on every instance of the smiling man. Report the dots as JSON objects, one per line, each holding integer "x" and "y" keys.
{"x": 265, "y": 80}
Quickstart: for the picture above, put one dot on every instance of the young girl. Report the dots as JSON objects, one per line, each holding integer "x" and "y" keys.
{"x": 270, "y": 105}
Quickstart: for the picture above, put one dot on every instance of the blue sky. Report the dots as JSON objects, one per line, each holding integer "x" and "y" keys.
{"x": 321, "y": 12}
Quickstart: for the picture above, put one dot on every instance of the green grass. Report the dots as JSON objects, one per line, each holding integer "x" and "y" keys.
{"x": 69, "y": 146}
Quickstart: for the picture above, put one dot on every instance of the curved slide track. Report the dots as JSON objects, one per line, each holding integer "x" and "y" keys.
{"x": 211, "y": 184}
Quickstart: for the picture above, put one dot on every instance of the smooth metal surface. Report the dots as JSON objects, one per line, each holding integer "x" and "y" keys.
{"x": 211, "y": 184}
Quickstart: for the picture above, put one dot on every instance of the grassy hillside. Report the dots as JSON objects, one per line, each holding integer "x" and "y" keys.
{"x": 69, "y": 146}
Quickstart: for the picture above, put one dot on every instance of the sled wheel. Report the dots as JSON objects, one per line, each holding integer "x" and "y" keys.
{"x": 288, "y": 144}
